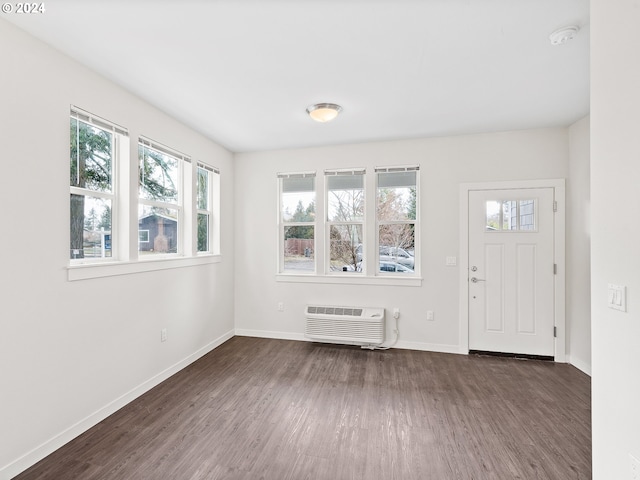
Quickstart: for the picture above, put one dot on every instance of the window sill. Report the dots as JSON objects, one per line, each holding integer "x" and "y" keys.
{"x": 94, "y": 270}
{"x": 350, "y": 280}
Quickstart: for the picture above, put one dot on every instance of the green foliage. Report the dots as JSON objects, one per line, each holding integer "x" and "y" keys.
{"x": 302, "y": 214}
{"x": 202, "y": 186}
{"x": 105, "y": 219}
{"x": 91, "y": 168}
{"x": 156, "y": 179}
{"x": 90, "y": 150}
{"x": 299, "y": 231}
{"x": 91, "y": 220}
{"x": 411, "y": 211}
{"x": 203, "y": 232}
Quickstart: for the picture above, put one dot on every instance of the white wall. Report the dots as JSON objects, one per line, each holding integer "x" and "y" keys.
{"x": 444, "y": 164}
{"x": 615, "y": 240}
{"x": 579, "y": 251}
{"x": 71, "y": 352}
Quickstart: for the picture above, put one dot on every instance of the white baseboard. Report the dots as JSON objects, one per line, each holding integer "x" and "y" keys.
{"x": 51, "y": 445}
{"x": 241, "y": 332}
{"x": 426, "y": 347}
{"x": 19, "y": 465}
{"x": 579, "y": 364}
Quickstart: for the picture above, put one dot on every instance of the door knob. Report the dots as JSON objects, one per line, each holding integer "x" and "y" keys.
{"x": 476, "y": 280}
{"x": 474, "y": 268}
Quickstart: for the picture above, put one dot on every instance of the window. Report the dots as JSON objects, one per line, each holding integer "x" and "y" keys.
{"x": 297, "y": 222}
{"x": 93, "y": 158}
{"x": 143, "y": 236}
{"x": 160, "y": 207}
{"x": 178, "y": 206}
{"x": 396, "y": 212}
{"x": 511, "y": 215}
{"x": 345, "y": 219}
{"x": 345, "y": 244}
{"x": 204, "y": 206}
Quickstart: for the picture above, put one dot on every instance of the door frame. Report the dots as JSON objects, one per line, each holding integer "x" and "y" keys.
{"x": 559, "y": 230}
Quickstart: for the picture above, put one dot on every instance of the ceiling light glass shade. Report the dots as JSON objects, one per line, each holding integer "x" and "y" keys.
{"x": 324, "y": 112}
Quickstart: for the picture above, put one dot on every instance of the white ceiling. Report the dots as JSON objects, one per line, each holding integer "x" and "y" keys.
{"x": 243, "y": 71}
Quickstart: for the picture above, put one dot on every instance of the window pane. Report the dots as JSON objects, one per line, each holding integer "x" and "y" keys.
{"x": 91, "y": 161}
{"x": 396, "y": 203}
{"x": 203, "y": 232}
{"x": 90, "y": 227}
{"x": 527, "y": 214}
{"x": 510, "y": 215}
{"x": 162, "y": 225}
{"x": 493, "y": 215}
{"x": 202, "y": 186}
{"x": 344, "y": 247}
{"x": 298, "y": 207}
{"x": 345, "y": 198}
{"x": 158, "y": 175}
{"x": 298, "y": 249}
{"x": 397, "y": 247}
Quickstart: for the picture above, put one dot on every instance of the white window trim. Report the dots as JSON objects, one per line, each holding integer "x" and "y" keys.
{"x": 125, "y": 201}
{"x": 354, "y": 278}
{"x": 416, "y": 222}
{"x": 118, "y": 194}
{"x": 329, "y": 223}
{"x": 100, "y": 270}
{"x": 370, "y": 235}
{"x": 213, "y": 184}
{"x": 282, "y": 225}
{"x": 185, "y": 191}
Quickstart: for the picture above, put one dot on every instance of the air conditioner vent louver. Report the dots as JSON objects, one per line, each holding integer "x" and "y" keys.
{"x": 348, "y": 325}
{"x": 355, "y": 312}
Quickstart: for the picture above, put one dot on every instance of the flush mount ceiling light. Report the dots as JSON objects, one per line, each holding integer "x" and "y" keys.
{"x": 563, "y": 35}
{"x": 324, "y": 112}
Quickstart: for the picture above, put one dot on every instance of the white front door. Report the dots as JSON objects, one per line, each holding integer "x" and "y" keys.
{"x": 511, "y": 271}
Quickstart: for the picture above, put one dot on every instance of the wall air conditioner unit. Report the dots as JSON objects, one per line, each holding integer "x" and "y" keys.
{"x": 345, "y": 325}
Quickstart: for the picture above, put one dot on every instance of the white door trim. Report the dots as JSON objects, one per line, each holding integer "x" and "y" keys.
{"x": 558, "y": 186}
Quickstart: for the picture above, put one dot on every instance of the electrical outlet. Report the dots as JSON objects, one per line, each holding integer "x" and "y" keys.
{"x": 281, "y": 306}
{"x": 430, "y": 315}
{"x": 635, "y": 467}
{"x": 163, "y": 335}
{"x": 396, "y": 313}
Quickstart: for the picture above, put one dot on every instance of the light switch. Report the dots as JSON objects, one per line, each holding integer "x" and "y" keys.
{"x": 617, "y": 297}
{"x": 451, "y": 261}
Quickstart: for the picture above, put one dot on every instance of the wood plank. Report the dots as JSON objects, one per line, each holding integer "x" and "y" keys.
{"x": 275, "y": 409}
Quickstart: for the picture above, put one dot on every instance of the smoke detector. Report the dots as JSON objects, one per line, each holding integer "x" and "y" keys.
{"x": 563, "y": 35}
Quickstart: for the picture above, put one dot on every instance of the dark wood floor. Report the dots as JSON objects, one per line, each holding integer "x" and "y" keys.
{"x": 275, "y": 410}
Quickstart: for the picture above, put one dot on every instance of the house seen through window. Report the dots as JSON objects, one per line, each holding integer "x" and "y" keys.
{"x": 160, "y": 211}
{"x": 177, "y": 206}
